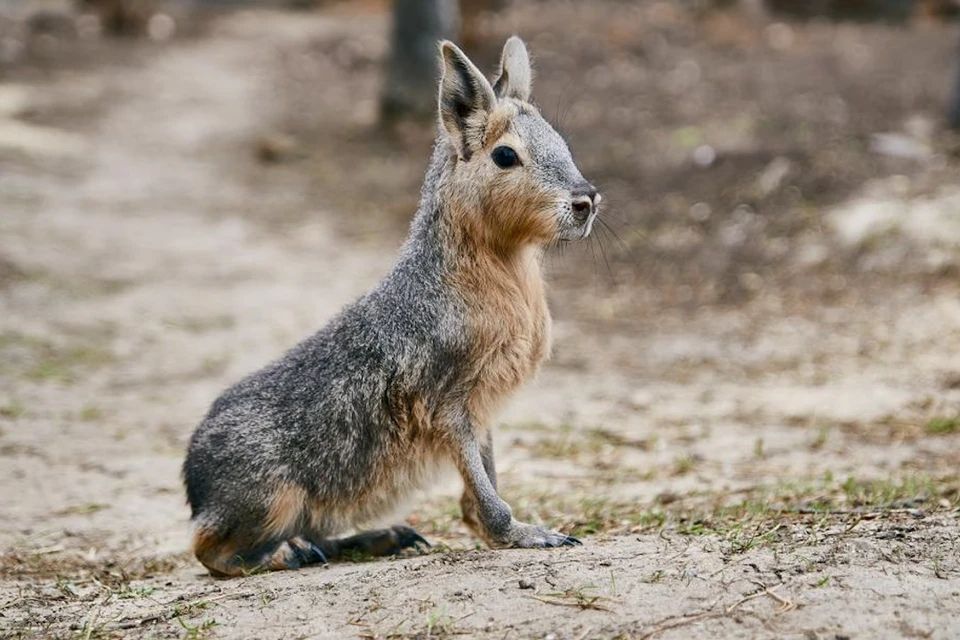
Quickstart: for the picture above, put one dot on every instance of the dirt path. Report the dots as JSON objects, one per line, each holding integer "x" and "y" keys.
{"x": 768, "y": 471}
{"x": 138, "y": 298}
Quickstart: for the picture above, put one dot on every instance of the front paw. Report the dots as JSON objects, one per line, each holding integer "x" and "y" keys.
{"x": 528, "y": 536}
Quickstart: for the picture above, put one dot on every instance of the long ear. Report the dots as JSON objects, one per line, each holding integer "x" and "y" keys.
{"x": 515, "y": 72}
{"x": 466, "y": 98}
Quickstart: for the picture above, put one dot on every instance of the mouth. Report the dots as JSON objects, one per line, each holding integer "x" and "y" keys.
{"x": 588, "y": 225}
{"x": 577, "y": 229}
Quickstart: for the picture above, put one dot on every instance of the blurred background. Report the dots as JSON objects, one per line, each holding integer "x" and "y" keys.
{"x": 189, "y": 188}
{"x": 724, "y": 132}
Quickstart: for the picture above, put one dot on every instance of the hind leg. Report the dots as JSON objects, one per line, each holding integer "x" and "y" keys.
{"x": 379, "y": 542}
{"x": 229, "y": 556}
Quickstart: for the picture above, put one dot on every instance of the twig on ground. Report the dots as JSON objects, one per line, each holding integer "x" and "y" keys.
{"x": 681, "y": 621}
{"x": 91, "y": 622}
{"x": 785, "y": 603}
{"x": 574, "y": 598}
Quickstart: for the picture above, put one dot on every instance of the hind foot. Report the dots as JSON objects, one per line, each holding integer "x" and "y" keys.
{"x": 224, "y": 558}
{"x": 304, "y": 553}
{"x": 381, "y": 542}
{"x": 294, "y": 553}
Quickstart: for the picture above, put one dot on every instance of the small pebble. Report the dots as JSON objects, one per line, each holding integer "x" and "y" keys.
{"x": 275, "y": 147}
{"x": 526, "y": 584}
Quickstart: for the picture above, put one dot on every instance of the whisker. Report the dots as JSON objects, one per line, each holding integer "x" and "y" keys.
{"x": 551, "y": 252}
{"x": 593, "y": 254}
{"x": 558, "y": 117}
{"x": 609, "y": 209}
{"x": 615, "y": 215}
{"x": 632, "y": 231}
{"x": 606, "y": 226}
{"x": 604, "y": 254}
{"x": 625, "y": 248}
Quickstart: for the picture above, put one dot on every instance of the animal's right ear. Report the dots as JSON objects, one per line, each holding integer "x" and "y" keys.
{"x": 515, "y": 72}
{"x": 466, "y": 98}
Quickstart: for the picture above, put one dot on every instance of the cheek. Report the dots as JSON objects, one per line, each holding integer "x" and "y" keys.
{"x": 521, "y": 195}
{"x": 520, "y": 207}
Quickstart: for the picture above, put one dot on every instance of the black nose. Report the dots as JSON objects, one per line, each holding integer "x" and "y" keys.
{"x": 583, "y": 200}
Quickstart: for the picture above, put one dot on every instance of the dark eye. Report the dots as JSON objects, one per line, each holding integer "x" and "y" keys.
{"x": 505, "y": 157}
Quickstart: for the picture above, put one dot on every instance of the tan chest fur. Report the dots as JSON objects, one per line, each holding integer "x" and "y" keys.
{"x": 509, "y": 325}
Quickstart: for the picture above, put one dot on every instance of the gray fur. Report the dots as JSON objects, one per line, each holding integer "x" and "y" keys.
{"x": 321, "y": 407}
{"x": 321, "y": 417}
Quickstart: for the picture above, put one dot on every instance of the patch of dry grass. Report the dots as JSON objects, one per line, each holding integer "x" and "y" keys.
{"x": 742, "y": 519}
{"x": 890, "y": 429}
{"x": 72, "y": 565}
{"x": 565, "y": 442}
{"x": 12, "y": 410}
{"x": 40, "y": 360}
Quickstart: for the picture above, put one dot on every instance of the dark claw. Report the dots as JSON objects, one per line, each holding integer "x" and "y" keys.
{"x": 570, "y": 541}
{"x": 419, "y": 539}
{"x": 319, "y": 555}
{"x": 311, "y": 555}
{"x": 407, "y": 538}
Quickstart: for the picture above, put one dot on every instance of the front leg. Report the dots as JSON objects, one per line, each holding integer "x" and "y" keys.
{"x": 485, "y": 511}
{"x": 468, "y": 505}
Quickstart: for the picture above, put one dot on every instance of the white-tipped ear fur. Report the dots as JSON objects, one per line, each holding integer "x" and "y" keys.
{"x": 466, "y": 98}
{"x": 515, "y": 72}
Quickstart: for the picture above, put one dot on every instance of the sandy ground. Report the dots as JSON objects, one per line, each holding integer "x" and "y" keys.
{"x": 771, "y": 469}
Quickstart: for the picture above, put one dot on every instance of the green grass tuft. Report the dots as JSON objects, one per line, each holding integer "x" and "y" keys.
{"x": 943, "y": 425}
{"x": 12, "y": 410}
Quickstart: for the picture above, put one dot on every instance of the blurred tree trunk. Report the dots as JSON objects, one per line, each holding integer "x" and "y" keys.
{"x": 475, "y": 15}
{"x": 412, "y": 71}
{"x": 953, "y": 115}
{"x": 122, "y": 17}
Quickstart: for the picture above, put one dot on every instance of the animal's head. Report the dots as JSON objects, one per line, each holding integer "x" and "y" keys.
{"x": 513, "y": 180}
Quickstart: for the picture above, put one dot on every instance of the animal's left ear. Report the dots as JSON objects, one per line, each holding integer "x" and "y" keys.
{"x": 515, "y": 72}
